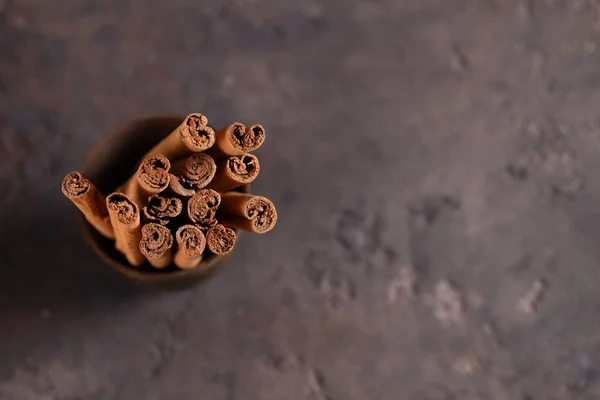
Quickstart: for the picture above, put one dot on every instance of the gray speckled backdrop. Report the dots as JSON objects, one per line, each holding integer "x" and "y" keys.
{"x": 433, "y": 165}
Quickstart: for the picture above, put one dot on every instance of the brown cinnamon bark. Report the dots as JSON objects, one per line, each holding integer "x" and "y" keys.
{"x": 190, "y": 246}
{"x": 161, "y": 209}
{"x": 236, "y": 139}
{"x": 125, "y": 217}
{"x": 202, "y": 208}
{"x": 192, "y": 174}
{"x": 152, "y": 177}
{"x": 178, "y": 186}
{"x": 248, "y": 212}
{"x": 156, "y": 245}
{"x": 220, "y": 240}
{"x": 89, "y": 201}
{"x": 192, "y": 136}
{"x": 235, "y": 171}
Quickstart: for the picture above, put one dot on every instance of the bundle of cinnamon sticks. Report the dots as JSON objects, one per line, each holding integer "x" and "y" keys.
{"x": 183, "y": 203}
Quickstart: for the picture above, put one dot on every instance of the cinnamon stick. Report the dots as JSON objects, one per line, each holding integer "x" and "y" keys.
{"x": 193, "y": 173}
{"x": 220, "y": 240}
{"x": 190, "y": 246}
{"x": 161, "y": 209}
{"x": 235, "y": 171}
{"x": 248, "y": 212}
{"x": 193, "y": 135}
{"x": 125, "y": 218}
{"x": 88, "y": 199}
{"x": 152, "y": 177}
{"x": 236, "y": 139}
{"x": 202, "y": 208}
{"x": 178, "y": 186}
{"x": 156, "y": 244}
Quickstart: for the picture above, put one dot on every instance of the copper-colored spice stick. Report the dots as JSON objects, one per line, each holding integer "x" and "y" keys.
{"x": 156, "y": 245}
{"x": 192, "y": 174}
{"x": 190, "y": 246}
{"x": 161, "y": 209}
{"x": 152, "y": 177}
{"x": 235, "y": 171}
{"x": 125, "y": 217}
{"x": 236, "y": 139}
{"x": 248, "y": 212}
{"x": 220, "y": 240}
{"x": 202, "y": 208}
{"x": 89, "y": 201}
{"x": 192, "y": 136}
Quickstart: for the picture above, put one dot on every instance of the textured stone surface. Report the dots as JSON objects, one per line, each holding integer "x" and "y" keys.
{"x": 431, "y": 160}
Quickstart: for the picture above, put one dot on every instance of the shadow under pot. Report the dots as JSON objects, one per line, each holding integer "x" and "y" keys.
{"x": 110, "y": 163}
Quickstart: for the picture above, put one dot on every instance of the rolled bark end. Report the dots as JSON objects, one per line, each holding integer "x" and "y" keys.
{"x": 190, "y": 240}
{"x": 244, "y": 168}
{"x": 200, "y": 169}
{"x": 125, "y": 210}
{"x": 220, "y": 240}
{"x": 232, "y": 135}
{"x": 235, "y": 171}
{"x": 192, "y": 135}
{"x": 245, "y": 211}
{"x": 125, "y": 218}
{"x": 156, "y": 244}
{"x": 202, "y": 206}
{"x": 180, "y": 187}
{"x": 250, "y": 139}
{"x": 161, "y": 209}
{"x": 153, "y": 174}
{"x": 192, "y": 174}
{"x": 196, "y": 134}
{"x": 261, "y": 211}
{"x": 236, "y": 139}
{"x": 191, "y": 244}
{"x": 88, "y": 199}
{"x": 74, "y": 185}
{"x": 195, "y": 121}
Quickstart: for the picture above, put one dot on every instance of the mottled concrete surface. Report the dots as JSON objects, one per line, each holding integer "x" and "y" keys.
{"x": 434, "y": 162}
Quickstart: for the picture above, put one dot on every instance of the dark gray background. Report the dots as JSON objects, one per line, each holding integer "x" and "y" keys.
{"x": 430, "y": 160}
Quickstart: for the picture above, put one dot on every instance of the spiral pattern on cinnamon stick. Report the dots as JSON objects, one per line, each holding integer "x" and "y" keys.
{"x": 249, "y": 140}
{"x": 245, "y": 211}
{"x": 197, "y": 172}
{"x": 196, "y": 134}
{"x": 125, "y": 218}
{"x": 220, "y": 240}
{"x": 191, "y": 243}
{"x": 156, "y": 244}
{"x": 191, "y": 240}
{"x": 162, "y": 210}
{"x": 262, "y": 213}
{"x": 236, "y": 139}
{"x": 124, "y": 210}
{"x": 202, "y": 207}
{"x": 153, "y": 174}
{"x": 75, "y": 185}
{"x": 244, "y": 167}
{"x": 90, "y": 202}
{"x": 235, "y": 171}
